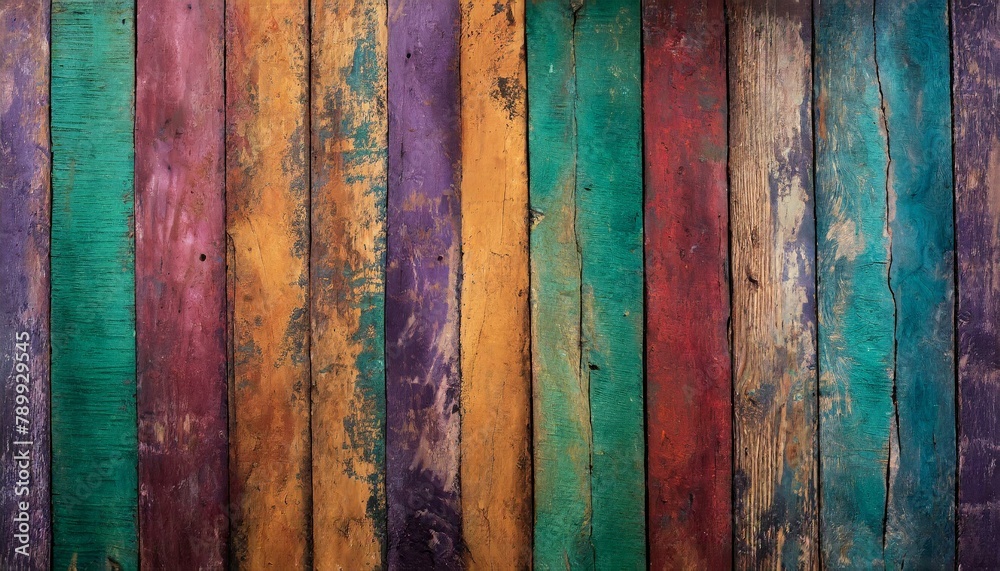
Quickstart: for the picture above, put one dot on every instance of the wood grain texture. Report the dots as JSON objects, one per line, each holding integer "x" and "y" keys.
{"x": 422, "y": 286}
{"x": 688, "y": 370}
{"x": 773, "y": 305}
{"x": 267, "y": 190}
{"x": 181, "y": 285}
{"x": 885, "y": 262}
{"x": 976, "y": 76}
{"x": 496, "y": 366}
{"x": 587, "y": 291}
{"x": 94, "y": 442}
{"x": 24, "y": 284}
{"x": 347, "y": 282}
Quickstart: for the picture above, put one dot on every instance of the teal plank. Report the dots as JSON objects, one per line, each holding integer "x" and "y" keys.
{"x": 884, "y": 218}
{"x": 914, "y": 65}
{"x": 94, "y": 444}
{"x": 587, "y": 294}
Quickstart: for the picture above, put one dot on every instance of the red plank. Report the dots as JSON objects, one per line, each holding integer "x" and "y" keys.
{"x": 687, "y": 345}
{"x": 180, "y": 285}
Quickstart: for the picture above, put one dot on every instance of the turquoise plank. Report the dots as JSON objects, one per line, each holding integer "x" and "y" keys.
{"x": 94, "y": 443}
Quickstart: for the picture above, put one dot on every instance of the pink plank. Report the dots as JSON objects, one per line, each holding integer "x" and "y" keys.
{"x": 180, "y": 285}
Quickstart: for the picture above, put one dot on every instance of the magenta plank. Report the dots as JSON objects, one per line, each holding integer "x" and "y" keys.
{"x": 422, "y": 325}
{"x": 181, "y": 285}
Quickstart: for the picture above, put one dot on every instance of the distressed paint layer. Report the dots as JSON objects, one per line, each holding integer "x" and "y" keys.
{"x": 688, "y": 390}
{"x": 496, "y": 374}
{"x": 181, "y": 285}
{"x": 586, "y": 297}
{"x": 885, "y": 259}
{"x": 94, "y": 442}
{"x": 267, "y": 191}
{"x": 24, "y": 284}
{"x": 976, "y": 33}
{"x": 422, "y": 303}
{"x": 773, "y": 305}
{"x": 347, "y": 283}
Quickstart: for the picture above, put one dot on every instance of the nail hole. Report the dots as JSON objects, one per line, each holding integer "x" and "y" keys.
{"x": 202, "y": 257}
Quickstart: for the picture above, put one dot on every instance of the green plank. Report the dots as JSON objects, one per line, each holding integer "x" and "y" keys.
{"x": 94, "y": 442}
{"x": 884, "y": 215}
{"x": 586, "y": 243}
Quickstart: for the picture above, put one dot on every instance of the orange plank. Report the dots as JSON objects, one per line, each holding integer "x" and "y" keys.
{"x": 347, "y": 282}
{"x": 268, "y": 226}
{"x": 496, "y": 375}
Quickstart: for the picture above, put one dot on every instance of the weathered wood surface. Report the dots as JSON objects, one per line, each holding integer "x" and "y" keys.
{"x": 267, "y": 198}
{"x": 688, "y": 378}
{"x": 422, "y": 286}
{"x": 181, "y": 285}
{"x": 914, "y": 65}
{"x": 24, "y": 284}
{"x": 773, "y": 306}
{"x": 347, "y": 283}
{"x": 976, "y": 75}
{"x": 496, "y": 359}
{"x": 587, "y": 291}
{"x": 94, "y": 443}
{"x": 886, "y": 342}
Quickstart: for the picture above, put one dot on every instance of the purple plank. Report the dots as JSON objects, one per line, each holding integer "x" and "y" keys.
{"x": 422, "y": 327}
{"x": 24, "y": 284}
{"x": 976, "y": 73}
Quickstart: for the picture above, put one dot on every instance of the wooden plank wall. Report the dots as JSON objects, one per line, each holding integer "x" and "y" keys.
{"x": 347, "y": 282}
{"x": 267, "y": 224}
{"x": 773, "y": 288}
{"x": 422, "y": 286}
{"x": 688, "y": 374}
{"x": 495, "y": 339}
{"x": 181, "y": 285}
{"x": 976, "y": 76}
{"x": 24, "y": 284}
{"x": 399, "y": 296}
{"x": 94, "y": 471}
{"x": 587, "y": 294}
{"x": 886, "y": 279}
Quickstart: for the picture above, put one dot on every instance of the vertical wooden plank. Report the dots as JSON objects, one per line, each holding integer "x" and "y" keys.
{"x": 496, "y": 374}
{"x": 180, "y": 285}
{"x": 422, "y": 304}
{"x": 976, "y": 76}
{"x": 347, "y": 282}
{"x": 856, "y": 303}
{"x": 561, "y": 404}
{"x": 885, "y": 262}
{"x": 773, "y": 306}
{"x": 688, "y": 391}
{"x": 913, "y": 62}
{"x": 24, "y": 284}
{"x": 267, "y": 187}
{"x": 94, "y": 443}
{"x": 586, "y": 240}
